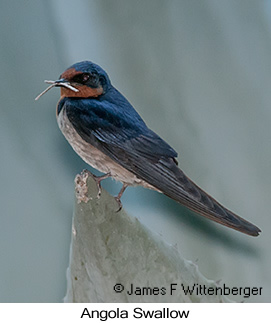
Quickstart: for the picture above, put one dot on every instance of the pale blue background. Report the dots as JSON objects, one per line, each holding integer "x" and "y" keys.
{"x": 199, "y": 73}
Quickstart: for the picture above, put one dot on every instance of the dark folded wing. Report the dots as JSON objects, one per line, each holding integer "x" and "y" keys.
{"x": 142, "y": 152}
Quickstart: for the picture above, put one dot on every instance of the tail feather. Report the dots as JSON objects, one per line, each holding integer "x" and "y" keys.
{"x": 180, "y": 188}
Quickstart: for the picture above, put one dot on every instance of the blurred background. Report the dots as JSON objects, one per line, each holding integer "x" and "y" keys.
{"x": 198, "y": 72}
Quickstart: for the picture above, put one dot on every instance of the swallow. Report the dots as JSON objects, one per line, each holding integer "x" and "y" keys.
{"x": 108, "y": 134}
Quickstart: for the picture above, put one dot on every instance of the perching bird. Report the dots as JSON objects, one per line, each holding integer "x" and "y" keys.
{"x": 108, "y": 134}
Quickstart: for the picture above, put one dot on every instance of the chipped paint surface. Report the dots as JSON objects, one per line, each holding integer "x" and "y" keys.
{"x": 81, "y": 189}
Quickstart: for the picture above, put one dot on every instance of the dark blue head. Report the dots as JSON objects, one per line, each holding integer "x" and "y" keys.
{"x": 91, "y": 74}
{"x": 88, "y": 78}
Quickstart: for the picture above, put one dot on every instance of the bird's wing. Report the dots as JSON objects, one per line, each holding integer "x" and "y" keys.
{"x": 144, "y": 153}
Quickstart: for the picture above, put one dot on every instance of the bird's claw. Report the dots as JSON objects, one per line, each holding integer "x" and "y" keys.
{"x": 98, "y": 180}
{"x": 118, "y": 197}
{"x": 119, "y": 204}
{"x": 99, "y": 187}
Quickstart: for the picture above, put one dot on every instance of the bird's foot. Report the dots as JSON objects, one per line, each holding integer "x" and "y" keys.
{"x": 118, "y": 197}
{"x": 98, "y": 180}
{"x": 119, "y": 204}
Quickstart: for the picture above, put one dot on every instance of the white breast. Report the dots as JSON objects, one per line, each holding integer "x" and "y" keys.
{"x": 94, "y": 157}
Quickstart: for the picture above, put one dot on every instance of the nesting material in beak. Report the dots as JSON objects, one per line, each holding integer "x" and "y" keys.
{"x": 61, "y": 82}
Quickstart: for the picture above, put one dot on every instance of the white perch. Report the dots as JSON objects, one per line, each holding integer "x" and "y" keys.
{"x": 110, "y": 248}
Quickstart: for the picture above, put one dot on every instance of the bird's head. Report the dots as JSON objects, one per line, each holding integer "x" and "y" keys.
{"x": 82, "y": 80}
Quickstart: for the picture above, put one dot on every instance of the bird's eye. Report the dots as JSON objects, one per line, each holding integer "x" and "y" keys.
{"x": 81, "y": 78}
{"x": 85, "y": 77}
